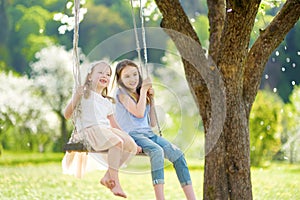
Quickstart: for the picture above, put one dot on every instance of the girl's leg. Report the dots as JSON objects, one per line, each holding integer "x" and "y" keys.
{"x": 157, "y": 170}
{"x": 114, "y": 156}
{"x": 129, "y": 148}
{"x": 156, "y": 154}
{"x": 184, "y": 178}
{"x": 176, "y": 156}
{"x": 189, "y": 192}
{"x": 159, "y": 192}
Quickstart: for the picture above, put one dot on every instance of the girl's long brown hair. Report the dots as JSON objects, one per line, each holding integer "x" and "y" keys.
{"x": 120, "y": 66}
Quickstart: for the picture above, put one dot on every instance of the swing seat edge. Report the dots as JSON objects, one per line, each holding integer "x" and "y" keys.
{"x": 79, "y": 147}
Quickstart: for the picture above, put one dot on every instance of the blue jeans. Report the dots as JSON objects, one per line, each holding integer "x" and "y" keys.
{"x": 158, "y": 148}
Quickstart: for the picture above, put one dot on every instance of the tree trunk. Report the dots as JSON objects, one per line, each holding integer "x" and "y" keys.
{"x": 63, "y": 130}
{"x": 225, "y": 106}
{"x": 63, "y": 124}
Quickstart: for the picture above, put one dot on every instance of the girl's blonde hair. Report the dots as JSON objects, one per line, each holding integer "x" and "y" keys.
{"x": 88, "y": 83}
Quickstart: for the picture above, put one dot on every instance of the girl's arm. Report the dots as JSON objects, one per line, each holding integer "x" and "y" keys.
{"x": 137, "y": 108}
{"x": 73, "y": 102}
{"x": 152, "y": 108}
{"x": 113, "y": 122}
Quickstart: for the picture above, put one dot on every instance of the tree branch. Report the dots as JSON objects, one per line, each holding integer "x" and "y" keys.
{"x": 174, "y": 18}
{"x": 265, "y": 44}
{"x": 235, "y": 35}
{"x": 216, "y": 17}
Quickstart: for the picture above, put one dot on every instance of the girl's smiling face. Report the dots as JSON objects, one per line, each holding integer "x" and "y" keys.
{"x": 130, "y": 77}
{"x": 100, "y": 76}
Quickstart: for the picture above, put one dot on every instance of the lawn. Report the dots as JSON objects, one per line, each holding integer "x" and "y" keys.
{"x": 44, "y": 180}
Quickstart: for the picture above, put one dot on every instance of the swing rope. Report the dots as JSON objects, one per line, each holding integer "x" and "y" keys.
{"x": 138, "y": 49}
{"x": 76, "y": 62}
{"x": 137, "y": 41}
{"x": 70, "y": 146}
{"x": 144, "y": 38}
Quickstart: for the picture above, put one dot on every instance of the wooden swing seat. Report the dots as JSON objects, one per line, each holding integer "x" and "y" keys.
{"x": 79, "y": 147}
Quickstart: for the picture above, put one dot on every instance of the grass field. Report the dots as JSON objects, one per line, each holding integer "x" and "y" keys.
{"x": 39, "y": 176}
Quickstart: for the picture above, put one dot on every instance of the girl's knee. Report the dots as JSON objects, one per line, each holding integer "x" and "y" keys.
{"x": 157, "y": 151}
{"x": 174, "y": 154}
{"x": 120, "y": 144}
{"x": 130, "y": 145}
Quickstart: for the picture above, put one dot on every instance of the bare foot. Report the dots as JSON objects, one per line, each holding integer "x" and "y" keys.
{"x": 117, "y": 190}
{"x": 107, "y": 182}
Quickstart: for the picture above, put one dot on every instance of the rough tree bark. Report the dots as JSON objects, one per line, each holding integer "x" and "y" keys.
{"x": 226, "y": 82}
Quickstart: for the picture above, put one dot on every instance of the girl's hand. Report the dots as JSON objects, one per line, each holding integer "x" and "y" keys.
{"x": 147, "y": 84}
{"x": 79, "y": 91}
{"x": 73, "y": 102}
{"x": 139, "y": 150}
{"x": 150, "y": 93}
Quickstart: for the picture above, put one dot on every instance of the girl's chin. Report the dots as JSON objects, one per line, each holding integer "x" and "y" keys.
{"x": 131, "y": 88}
{"x": 103, "y": 85}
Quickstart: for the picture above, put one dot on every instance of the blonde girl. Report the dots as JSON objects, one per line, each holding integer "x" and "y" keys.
{"x": 97, "y": 129}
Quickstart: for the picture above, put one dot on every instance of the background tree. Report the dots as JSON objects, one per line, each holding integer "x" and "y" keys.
{"x": 52, "y": 76}
{"x": 107, "y": 23}
{"x": 265, "y": 127}
{"x": 227, "y": 160}
{"x": 291, "y": 134}
{"x": 29, "y": 30}
{"x": 110, "y": 17}
{"x": 26, "y": 122}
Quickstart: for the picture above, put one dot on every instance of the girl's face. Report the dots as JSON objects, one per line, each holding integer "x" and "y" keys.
{"x": 130, "y": 77}
{"x": 100, "y": 76}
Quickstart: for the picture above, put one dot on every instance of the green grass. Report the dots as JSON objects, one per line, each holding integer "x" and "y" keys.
{"x": 278, "y": 181}
{"x": 21, "y": 158}
{"x": 41, "y": 178}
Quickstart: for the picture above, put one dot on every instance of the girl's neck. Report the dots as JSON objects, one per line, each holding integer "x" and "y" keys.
{"x": 98, "y": 90}
{"x": 131, "y": 91}
{"x": 134, "y": 95}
